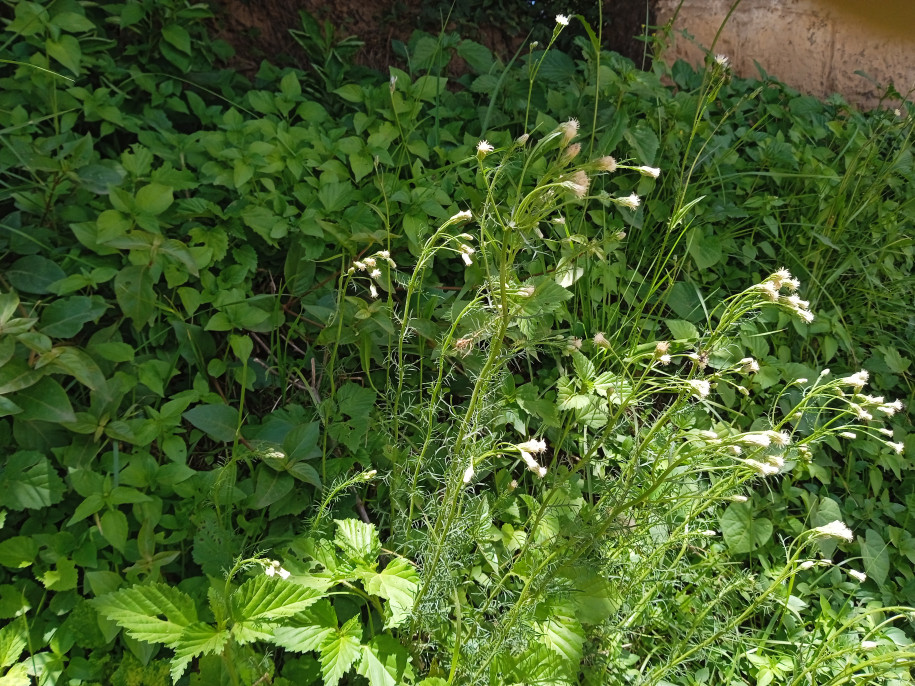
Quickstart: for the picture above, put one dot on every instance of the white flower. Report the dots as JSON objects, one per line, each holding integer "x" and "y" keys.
{"x": 533, "y": 445}
{"x": 749, "y": 366}
{"x": 270, "y": 571}
{"x": 569, "y": 130}
{"x": 373, "y": 291}
{"x": 858, "y": 380}
{"x": 522, "y": 139}
{"x": 532, "y": 464}
{"x": 541, "y": 472}
{"x": 369, "y": 262}
{"x": 700, "y": 387}
{"x": 868, "y": 645}
{"x": 709, "y": 532}
{"x": 806, "y": 564}
{"x": 896, "y": 447}
{"x": 761, "y": 439}
{"x": 806, "y": 316}
{"x": 769, "y": 289}
{"x": 661, "y": 347}
{"x": 739, "y": 498}
{"x": 861, "y": 412}
{"x": 600, "y": 340}
{"x": 796, "y": 302}
{"x": 577, "y": 183}
{"x": 835, "y": 529}
{"x": 855, "y": 574}
{"x": 664, "y": 360}
{"x": 736, "y": 450}
{"x": 779, "y": 438}
{"x": 384, "y": 254}
{"x": 562, "y": 20}
{"x": 721, "y": 60}
{"x": 886, "y": 432}
{"x": 283, "y": 573}
{"x": 274, "y": 455}
{"x": 375, "y": 273}
{"x": 891, "y": 408}
{"x": 653, "y": 172}
{"x": 484, "y": 148}
{"x": 606, "y": 163}
{"x": 468, "y": 473}
{"x": 571, "y": 152}
{"x": 370, "y": 474}
{"x": 359, "y": 265}
{"x": 848, "y": 434}
{"x": 463, "y": 215}
{"x": 764, "y": 468}
{"x": 632, "y": 201}
{"x": 620, "y": 235}
{"x": 466, "y": 258}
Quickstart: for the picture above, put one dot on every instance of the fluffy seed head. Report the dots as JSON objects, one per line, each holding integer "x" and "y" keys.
{"x": 835, "y": 529}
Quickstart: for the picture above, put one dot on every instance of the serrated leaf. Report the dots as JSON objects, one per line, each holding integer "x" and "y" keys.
{"x": 397, "y": 583}
{"x": 12, "y": 642}
{"x": 376, "y": 666}
{"x": 358, "y": 540}
{"x": 18, "y": 552}
{"x": 308, "y": 630}
{"x": 154, "y": 198}
{"x": 28, "y": 480}
{"x": 137, "y": 610}
{"x": 584, "y": 368}
{"x": 265, "y": 598}
{"x": 196, "y": 639}
{"x": 562, "y": 633}
{"x": 339, "y": 650}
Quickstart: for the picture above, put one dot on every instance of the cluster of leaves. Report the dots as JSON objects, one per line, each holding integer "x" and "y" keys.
{"x": 181, "y": 381}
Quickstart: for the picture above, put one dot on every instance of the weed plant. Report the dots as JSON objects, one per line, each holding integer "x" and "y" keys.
{"x": 575, "y": 400}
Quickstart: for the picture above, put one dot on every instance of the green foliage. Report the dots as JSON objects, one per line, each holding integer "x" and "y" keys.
{"x": 232, "y": 313}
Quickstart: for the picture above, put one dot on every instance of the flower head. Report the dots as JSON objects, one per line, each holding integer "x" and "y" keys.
{"x": 464, "y": 215}
{"x": 533, "y": 445}
{"x": 653, "y": 172}
{"x": 896, "y": 447}
{"x": 855, "y": 574}
{"x": 562, "y": 20}
{"x": 373, "y": 291}
{"x": 569, "y": 129}
{"x": 600, "y": 340}
{"x": 375, "y": 273}
{"x": 721, "y": 60}
{"x": 749, "y": 366}
{"x": 700, "y": 387}
{"x": 607, "y": 164}
{"x": 857, "y": 380}
{"x": 836, "y": 529}
{"x": 468, "y": 473}
{"x": 577, "y": 183}
{"x": 868, "y": 645}
{"x": 484, "y": 148}
{"x": 631, "y": 201}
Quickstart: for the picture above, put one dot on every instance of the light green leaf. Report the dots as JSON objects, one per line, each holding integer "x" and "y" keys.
{"x": 265, "y": 598}
{"x": 397, "y": 583}
{"x": 154, "y": 198}
{"x": 562, "y": 633}
{"x": 114, "y": 528}
{"x": 12, "y": 642}
{"x": 62, "y": 578}
{"x": 18, "y": 552}
{"x": 340, "y": 650}
{"x": 741, "y": 531}
{"x": 308, "y": 630}
{"x": 137, "y": 609}
{"x": 196, "y": 639}
{"x": 379, "y": 663}
{"x": 357, "y": 540}
{"x": 876, "y": 556}
{"x": 682, "y": 330}
{"x": 16, "y": 374}
{"x": 65, "y": 50}
{"x": 133, "y": 288}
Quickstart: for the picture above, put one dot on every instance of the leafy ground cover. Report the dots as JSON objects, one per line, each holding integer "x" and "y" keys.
{"x": 340, "y": 377}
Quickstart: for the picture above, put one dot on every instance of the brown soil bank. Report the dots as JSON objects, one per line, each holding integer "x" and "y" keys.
{"x": 259, "y": 29}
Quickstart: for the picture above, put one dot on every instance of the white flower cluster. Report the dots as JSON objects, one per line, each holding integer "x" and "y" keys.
{"x": 773, "y": 286}
{"x": 273, "y": 568}
{"x": 836, "y": 529}
{"x": 370, "y": 265}
{"x": 530, "y": 448}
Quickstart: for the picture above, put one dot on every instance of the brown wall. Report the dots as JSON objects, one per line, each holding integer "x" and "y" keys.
{"x": 815, "y": 46}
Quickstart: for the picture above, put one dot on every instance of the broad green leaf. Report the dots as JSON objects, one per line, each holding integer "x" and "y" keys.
{"x": 357, "y": 540}
{"x": 18, "y": 552}
{"x": 270, "y": 486}
{"x": 138, "y": 609}
{"x": 65, "y": 317}
{"x": 65, "y": 50}
{"x": 340, "y": 650}
{"x": 177, "y": 36}
{"x": 742, "y": 532}
{"x": 682, "y": 330}
{"x": 114, "y": 528}
{"x": 62, "y": 578}
{"x": 76, "y": 363}
{"x": 33, "y": 274}
{"x": 154, "y": 198}
{"x": 133, "y": 288}
{"x": 217, "y": 421}
{"x": 383, "y": 661}
{"x": 265, "y": 598}
{"x": 13, "y": 640}
{"x": 876, "y": 557}
{"x": 196, "y": 639}
{"x": 28, "y": 480}
{"x": 584, "y": 368}
{"x": 308, "y": 630}
{"x": 563, "y": 634}
{"x": 215, "y": 546}
{"x": 45, "y": 401}
{"x": 397, "y": 583}
{"x": 16, "y": 375}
